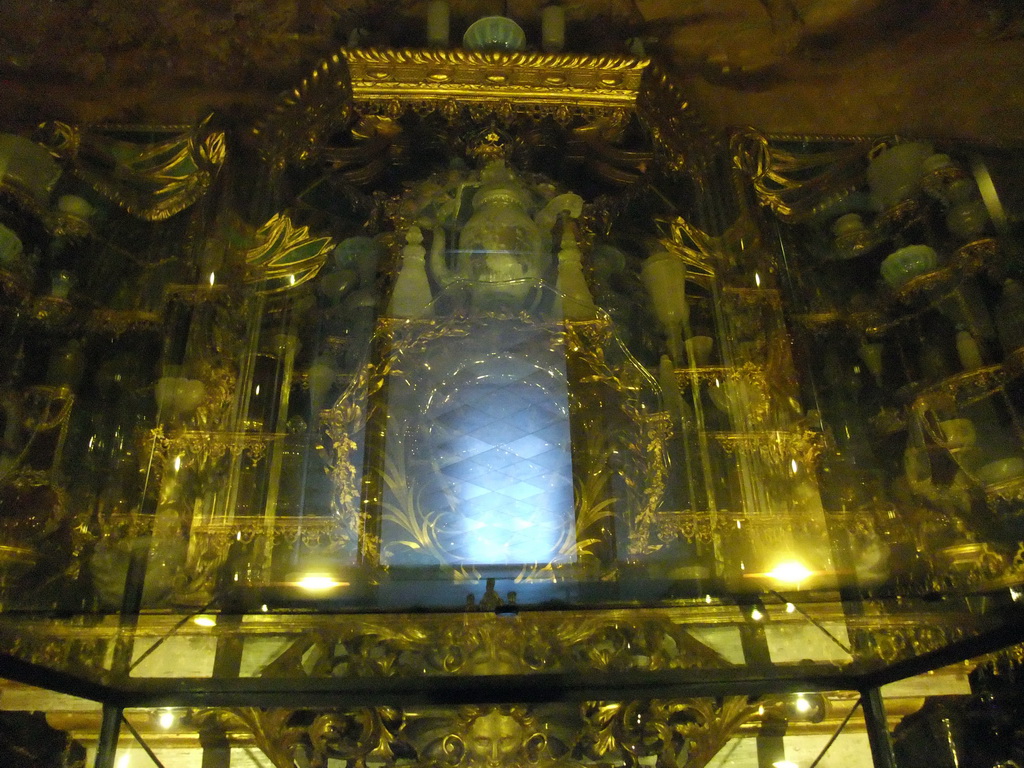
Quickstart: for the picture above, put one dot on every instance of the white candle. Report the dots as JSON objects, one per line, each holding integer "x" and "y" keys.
{"x": 438, "y": 23}
{"x": 552, "y": 28}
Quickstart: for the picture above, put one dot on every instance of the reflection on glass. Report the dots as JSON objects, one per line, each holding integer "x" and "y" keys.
{"x": 484, "y": 433}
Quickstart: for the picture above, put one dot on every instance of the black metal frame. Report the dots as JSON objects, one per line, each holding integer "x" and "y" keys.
{"x": 543, "y": 688}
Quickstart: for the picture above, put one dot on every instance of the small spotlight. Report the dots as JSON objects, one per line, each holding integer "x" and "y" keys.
{"x": 755, "y": 614}
{"x": 264, "y": 608}
{"x": 790, "y": 608}
{"x": 790, "y": 572}
{"x": 166, "y": 719}
{"x": 803, "y": 706}
{"x": 319, "y": 582}
{"x": 785, "y": 764}
{"x": 204, "y": 620}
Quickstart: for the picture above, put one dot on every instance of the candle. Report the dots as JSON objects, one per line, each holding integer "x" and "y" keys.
{"x": 552, "y": 28}
{"x": 437, "y": 23}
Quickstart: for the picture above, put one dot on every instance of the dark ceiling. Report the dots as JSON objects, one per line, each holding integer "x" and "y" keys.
{"x": 951, "y": 68}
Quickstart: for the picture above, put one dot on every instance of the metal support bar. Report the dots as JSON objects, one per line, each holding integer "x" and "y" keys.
{"x": 13, "y": 668}
{"x": 835, "y": 735}
{"x": 1009, "y": 632}
{"x": 484, "y": 689}
{"x": 106, "y": 743}
{"x": 141, "y": 741}
{"x": 878, "y": 728}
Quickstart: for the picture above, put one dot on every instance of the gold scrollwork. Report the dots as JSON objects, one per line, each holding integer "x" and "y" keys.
{"x": 677, "y": 733}
{"x": 151, "y": 180}
{"x": 890, "y": 644}
{"x": 775, "y": 446}
{"x": 680, "y": 138}
{"x": 214, "y": 445}
{"x": 794, "y": 185}
{"x": 302, "y": 121}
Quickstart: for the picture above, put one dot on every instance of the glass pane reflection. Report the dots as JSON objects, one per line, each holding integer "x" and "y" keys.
{"x": 483, "y": 429}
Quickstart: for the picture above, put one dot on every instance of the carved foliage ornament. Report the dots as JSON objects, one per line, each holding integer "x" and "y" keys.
{"x": 684, "y": 733}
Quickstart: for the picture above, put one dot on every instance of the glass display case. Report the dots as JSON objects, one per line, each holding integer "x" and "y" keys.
{"x": 489, "y": 408}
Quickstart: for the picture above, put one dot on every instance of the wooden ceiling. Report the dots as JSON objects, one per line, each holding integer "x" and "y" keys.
{"x": 950, "y": 68}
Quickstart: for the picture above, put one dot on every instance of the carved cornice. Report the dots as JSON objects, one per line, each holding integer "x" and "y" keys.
{"x": 533, "y": 78}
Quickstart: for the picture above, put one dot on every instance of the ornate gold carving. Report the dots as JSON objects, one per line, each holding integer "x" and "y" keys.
{"x": 963, "y": 389}
{"x": 518, "y": 78}
{"x": 211, "y": 445}
{"x": 284, "y": 256}
{"x": 152, "y": 180}
{"x": 893, "y": 643}
{"x": 481, "y": 643}
{"x": 681, "y": 141}
{"x": 681, "y": 733}
{"x": 795, "y": 185}
{"x": 302, "y": 121}
{"x": 776, "y": 447}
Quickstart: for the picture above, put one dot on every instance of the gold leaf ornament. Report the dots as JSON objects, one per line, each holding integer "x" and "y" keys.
{"x": 284, "y": 256}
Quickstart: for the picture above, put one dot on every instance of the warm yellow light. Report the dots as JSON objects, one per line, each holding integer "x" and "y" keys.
{"x": 802, "y": 705}
{"x": 204, "y": 620}
{"x": 790, "y": 608}
{"x": 756, "y": 615}
{"x": 785, "y": 764}
{"x": 319, "y": 582}
{"x": 791, "y": 572}
{"x": 166, "y": 719}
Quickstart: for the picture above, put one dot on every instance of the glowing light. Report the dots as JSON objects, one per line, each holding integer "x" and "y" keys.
{"x": 787, "y": 572}
{"x": 755, "y": 614}
{"x": 785, "y": 764}
{"x": 177, "y": 463}
{"x": 166, "y": 719}
{"x": 757, "y": 279}
{"x": 802, "y": 705}
{"x": 790, "y": 608}
{"x": 257, "y": 389}
{"x": 213, "y": 279}
{"x": 760, "y": 710}
{"x": 204, "y": 620}
{"x": 122, "y": 762}
{"x": 1016, "y": 595}
{"x": 291, "y": 279}
{"x": 265, "y": 608}
{"x": 707, "y": 599}
{"x": 794, "y": 466}
{"x": 319, "y": 582}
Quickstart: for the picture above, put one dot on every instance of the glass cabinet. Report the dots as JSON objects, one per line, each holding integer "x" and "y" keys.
{"x": 490, "y": 408}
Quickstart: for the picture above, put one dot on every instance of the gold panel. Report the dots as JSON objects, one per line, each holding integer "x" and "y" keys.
{"x": 535, "y": 78}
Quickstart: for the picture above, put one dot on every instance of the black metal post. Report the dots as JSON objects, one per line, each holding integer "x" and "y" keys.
{"x": 110, "y": 729}
{"x": 878, "y": 728}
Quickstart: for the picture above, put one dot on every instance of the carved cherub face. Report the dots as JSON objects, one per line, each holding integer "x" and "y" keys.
{"x": 495, "y": 739}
